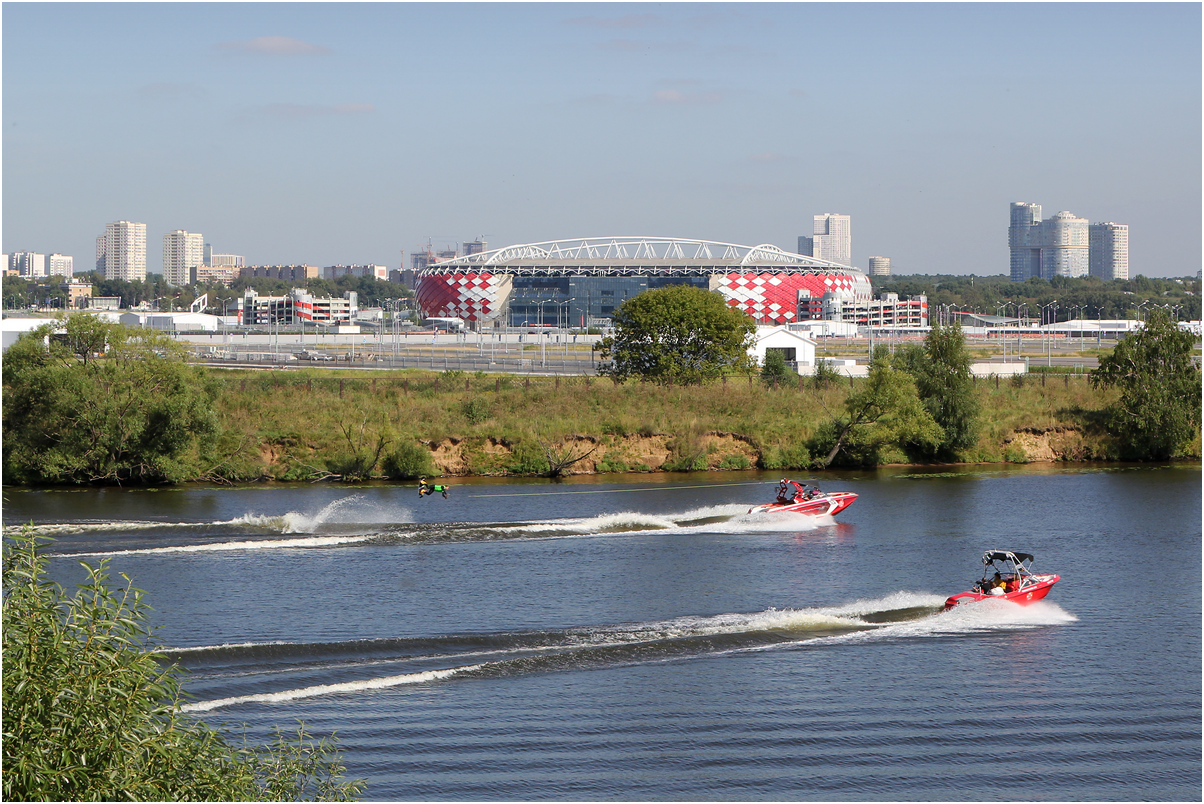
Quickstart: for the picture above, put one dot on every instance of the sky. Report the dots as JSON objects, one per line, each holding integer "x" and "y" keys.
{"x": 348, "y": 133}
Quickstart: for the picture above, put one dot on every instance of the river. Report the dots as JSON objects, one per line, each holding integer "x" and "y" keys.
{"x": 641, "y": 637}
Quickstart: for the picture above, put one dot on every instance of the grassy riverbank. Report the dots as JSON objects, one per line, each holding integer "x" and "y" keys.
{"x": 306, "y": 424}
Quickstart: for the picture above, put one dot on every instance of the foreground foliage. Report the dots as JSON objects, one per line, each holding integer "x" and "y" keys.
{"x": 1158, "y": 412}
{"x": 91, "y": 713}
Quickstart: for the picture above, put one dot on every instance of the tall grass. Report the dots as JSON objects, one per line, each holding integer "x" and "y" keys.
{"x": 289, "y": 425}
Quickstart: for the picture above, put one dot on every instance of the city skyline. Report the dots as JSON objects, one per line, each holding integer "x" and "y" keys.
{"x": 345, "y": 134}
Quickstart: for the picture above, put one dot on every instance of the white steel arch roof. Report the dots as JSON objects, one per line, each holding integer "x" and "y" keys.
{"x": 634, "y": 255}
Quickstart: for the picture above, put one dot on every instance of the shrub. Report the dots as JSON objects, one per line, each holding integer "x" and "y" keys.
{"x": 825, "y": 375}
{"x": 775, "y": 371}
{"x": 91, "y": 711}
{"x": 528, "y": 458}
{"x": 794, "y": 456}
{"x": 408, "y": 461}
{"x": 475, "y": 410}
{"x": 734, "y": 461}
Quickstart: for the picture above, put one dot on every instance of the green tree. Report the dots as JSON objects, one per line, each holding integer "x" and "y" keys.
{"x": 887, "y": 411}
{"x": 139, "y": 414}
{"x": 946, "y": 387}
{"x": 774, "y": 370}
{"x": 92, "y": 711}
{"x": 677, "y": 334}
{"x": 1158, "y": 412}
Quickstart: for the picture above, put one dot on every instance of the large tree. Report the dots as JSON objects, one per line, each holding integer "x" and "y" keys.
{"x": 887, "y": 411}
{"x": 943, "y": 380}
{"x": 677, "y": 334}
{"x": 138, "y": 414}
{"x": 1158, "y": 412}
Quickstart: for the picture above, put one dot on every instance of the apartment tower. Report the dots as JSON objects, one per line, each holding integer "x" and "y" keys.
{"x": 121, "y": 251}
{"x": 1109, "y": 250}
{"x": 182, "y": 252}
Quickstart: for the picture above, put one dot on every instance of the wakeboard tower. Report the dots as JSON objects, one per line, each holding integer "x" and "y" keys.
{"x": 1013, "y": 580}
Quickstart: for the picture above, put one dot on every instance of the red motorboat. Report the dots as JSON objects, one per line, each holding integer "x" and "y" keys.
{"x": 1012, "y": 580}
{"x": 795, "y": 498}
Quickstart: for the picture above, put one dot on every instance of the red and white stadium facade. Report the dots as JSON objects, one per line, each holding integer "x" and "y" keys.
{"x": 764, "y": 281}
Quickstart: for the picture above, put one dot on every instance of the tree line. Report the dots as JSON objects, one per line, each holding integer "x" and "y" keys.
{"x": 1081, "y": 297}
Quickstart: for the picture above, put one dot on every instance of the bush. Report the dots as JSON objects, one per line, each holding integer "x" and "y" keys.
{"x": 775, "y": 372}
{"x": 91, "y": 712}
{"x": 408, "y": 461}
{"x": 825, "y": 375}
{"x": 475, "y": 410}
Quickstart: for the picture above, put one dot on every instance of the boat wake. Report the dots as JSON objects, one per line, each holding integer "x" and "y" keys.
{"x": 345, "y": 523}
{"x": 279, "y": 672}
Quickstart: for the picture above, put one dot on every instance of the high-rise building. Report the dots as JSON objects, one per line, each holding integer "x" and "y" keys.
{"x": 121, "y": 251}
{"x": 1057, "y": 246}
{"x": 60, "y": 265}
{"x": 182, "y": 251}
{"x": 1023, "y": 241}
{"x": 27, "y": 263}
{"x": 832, "y": 239}
{"x": 1064, "y": 246}
{"x": 1109, "y": 250}
{"x": 879, "y": 266}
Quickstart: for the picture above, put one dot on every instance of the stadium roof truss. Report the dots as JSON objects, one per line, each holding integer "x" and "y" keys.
{"x": 626, "y": 256}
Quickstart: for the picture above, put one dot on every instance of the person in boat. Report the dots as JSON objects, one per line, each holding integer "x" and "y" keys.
{"x": 425, "y": 488}
{"x": 997, "y": 585}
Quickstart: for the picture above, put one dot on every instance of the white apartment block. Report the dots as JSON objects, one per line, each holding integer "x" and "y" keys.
{"x": 60, "y": 265}
{"x": 121, "y": 251}
{"x": 28, "y": 264}
{"x": 182, "y": 251}
{"x": 1109, "y": 250}
{"x": 831, "y": 239}
{"x": 214, "y": 260}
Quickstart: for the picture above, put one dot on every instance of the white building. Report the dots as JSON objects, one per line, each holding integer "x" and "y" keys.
{"x": 28, "y": 264}
{"x": 796, "y": 347}
{"x": 1057, "y": 246}
{"x": 1065, "y": 246}
{"x": 171, "y": 322}
{"x": 1109, "y": 250}
{"x": 831, "y": 239}
{"x": 60, "y": 265}
{"x": 121, "y": 251}
{"x": 879, "y": 266}
{"x": 182, "y": 252}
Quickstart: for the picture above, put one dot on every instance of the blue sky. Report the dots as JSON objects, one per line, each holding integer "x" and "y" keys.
{"x": 347, "y": 133}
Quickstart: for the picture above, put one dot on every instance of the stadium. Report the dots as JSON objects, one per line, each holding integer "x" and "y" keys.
{"x": 571, "y": 283}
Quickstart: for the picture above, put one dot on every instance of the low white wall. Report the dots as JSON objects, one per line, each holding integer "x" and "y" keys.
{"x": 998, "y": 369}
